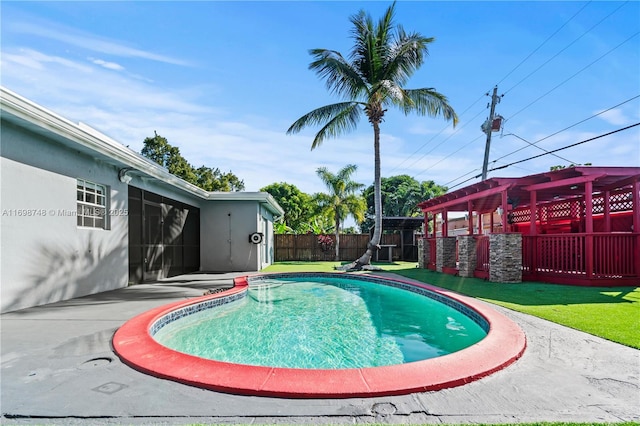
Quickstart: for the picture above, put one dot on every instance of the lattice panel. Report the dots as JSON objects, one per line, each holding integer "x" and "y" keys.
{"x": 520, "y": 215}
{"x": 598, "y": 204}
{"x": 560, "y": 210}
{"x": 621, "y": 201}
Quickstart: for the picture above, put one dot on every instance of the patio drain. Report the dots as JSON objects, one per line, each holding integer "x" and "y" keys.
{"x": 95, "y": 362}
{"x": 384, "y": 409}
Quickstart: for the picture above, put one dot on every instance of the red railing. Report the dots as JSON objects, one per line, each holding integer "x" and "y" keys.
{"x": 580, "y": 258}
{"x": 613, "y": 255}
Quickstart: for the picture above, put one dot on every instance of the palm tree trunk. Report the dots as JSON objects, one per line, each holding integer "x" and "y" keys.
{"x": 337, "y": 237}
{"x": 374, "y": 244}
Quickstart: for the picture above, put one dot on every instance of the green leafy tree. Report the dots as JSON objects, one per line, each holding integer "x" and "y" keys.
{"x": 560, "y": 167}
{"x": 400, "y": 197}
{"x": 280, "y": 227}
{"x": 214, "y": 180}
{"x": 159, "y": 150}
{"x": 341, "y": 200}
{"x": 168, "y": 156}
{"x": 381, "y": 61}
{"x": 298, "y": 206}
{"x": 320, "y": 223}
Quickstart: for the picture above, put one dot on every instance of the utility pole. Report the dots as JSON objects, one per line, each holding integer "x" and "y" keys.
{"x": 488, "y": 128}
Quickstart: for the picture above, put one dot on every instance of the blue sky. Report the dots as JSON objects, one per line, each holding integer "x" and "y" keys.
{"x": 224, "y": 80}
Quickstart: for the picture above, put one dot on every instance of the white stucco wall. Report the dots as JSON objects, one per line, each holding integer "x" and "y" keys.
{"x": 224, "y": 236}
{"x": 45, "y": 256}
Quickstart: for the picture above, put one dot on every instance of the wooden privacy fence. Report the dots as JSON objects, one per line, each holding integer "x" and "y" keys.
{"x": 308, "y": 247}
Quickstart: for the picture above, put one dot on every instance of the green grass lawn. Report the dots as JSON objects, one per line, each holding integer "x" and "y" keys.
{"x": 612, "y": 313}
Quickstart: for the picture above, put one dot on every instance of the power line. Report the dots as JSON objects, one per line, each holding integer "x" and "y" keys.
{"x": 569, "y": 127}
{"x": 438, "y": 134}
{"x": 568, "y": 146}
{"x": 444, "y": 140}
{"x": 507, "y": 75}
{"x": 540, "y": 148}
{"x": 444, "y": 158}
{"x": 542, "y": 44}
{"x": 575, "y": 74}
{"x": 566, "y": 47}
{"x": 542, "y": 139}
{"x": 550, "y": 152}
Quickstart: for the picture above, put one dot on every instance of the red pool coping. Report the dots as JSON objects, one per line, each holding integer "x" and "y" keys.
{"x": 502, "y": 346}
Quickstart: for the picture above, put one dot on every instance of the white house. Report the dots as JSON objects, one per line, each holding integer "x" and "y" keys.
{"x": 80, "y": 214}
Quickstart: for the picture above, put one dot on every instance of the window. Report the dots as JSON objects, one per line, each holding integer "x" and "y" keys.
{"x": 92, "y": 204}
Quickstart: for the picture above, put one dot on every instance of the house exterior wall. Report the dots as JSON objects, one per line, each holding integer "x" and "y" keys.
{"x": 225, "y": 227}
{"x": 45, "y": 256}
{"x": 49, "y": 253}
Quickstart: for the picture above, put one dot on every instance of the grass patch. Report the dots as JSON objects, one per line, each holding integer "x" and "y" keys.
{"x": 612, "y": 313}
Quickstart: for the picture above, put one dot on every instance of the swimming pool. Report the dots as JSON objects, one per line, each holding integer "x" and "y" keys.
{"x": 408, "y": 365}
{"x": 324, "y": 322}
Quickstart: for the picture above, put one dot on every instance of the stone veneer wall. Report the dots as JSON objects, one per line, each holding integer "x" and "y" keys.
{"x": 422, "y": 258}
{"x": 505, "y": 258}
{"x": 445, "y": 253}
{"x": 467, "y": 257}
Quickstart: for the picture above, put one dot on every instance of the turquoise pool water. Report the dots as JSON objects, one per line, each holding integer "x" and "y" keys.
{"x": 325, "y": 323}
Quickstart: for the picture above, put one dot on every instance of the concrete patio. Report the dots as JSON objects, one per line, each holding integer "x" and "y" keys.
{"x": 58, "y": 368}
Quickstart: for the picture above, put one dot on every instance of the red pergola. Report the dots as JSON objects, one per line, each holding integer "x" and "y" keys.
{"x": 579, "y": 225}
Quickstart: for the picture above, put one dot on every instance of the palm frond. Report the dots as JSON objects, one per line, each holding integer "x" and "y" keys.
{"x": 341, "y": 77}
{"x": 318, "y": 116}
{"x": 406, "y": 56}
{"x": 337, "y": 118}
{"x": 428, "y": 102}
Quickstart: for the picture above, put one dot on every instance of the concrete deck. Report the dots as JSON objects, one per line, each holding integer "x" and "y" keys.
{"x": 57, "y": 367}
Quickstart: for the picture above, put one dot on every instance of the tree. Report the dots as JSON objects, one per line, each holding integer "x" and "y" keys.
{"x": 214, "y": 180}
{"x": 297, "y": 205}
{"x": 560, "y": 167}
{"x": 400, "y": 197}
{"x": 380, "y": 63}
{"x": 159, "y": 150}
{"x": 341, "y": 200}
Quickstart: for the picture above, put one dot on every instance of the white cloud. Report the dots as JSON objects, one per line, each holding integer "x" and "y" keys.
{"x": 88, "y": 41}
{"x": 615, "y": 117}
{"x": 107, "y": 65}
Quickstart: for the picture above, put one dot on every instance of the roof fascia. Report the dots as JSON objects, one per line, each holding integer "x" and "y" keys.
{"x": 563, "y": 182}
{"x": 622, "y": 183}
{"x": 84, "y": 135}
{"x": 466, "y": 198}
{"x": 259, "y": 197}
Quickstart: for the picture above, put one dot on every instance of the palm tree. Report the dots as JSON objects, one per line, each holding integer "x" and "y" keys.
{"x": 380, "y": 63}
{"x": 341, "y": 199}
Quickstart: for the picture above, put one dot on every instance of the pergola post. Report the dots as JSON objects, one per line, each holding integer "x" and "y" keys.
{"x": 607, "y": 211}
{"x": 470, "y": 217}
{"x": 588, "y": 244}
{"x": 445, "y": 223}
{"x": 635, "y": 207}
{"x": 505, "y": 211}
{"x": 533, "y": 232}
{"x": 533, "y": 208}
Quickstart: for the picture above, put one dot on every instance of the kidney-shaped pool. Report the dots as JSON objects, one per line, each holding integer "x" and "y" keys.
{"x": 311, "y": 335}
